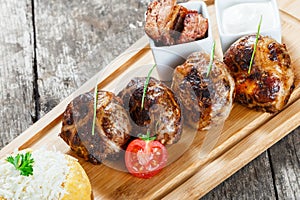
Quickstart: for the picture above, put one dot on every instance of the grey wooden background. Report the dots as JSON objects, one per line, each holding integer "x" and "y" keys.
{"x": 49, "y": 48}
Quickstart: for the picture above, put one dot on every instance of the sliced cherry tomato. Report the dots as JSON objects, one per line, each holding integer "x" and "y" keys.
{"x": 144, "y": 159}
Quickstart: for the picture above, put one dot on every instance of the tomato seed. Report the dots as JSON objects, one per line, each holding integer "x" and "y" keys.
{"x": 154, "y": 162}
{"x": 135, "y": 169}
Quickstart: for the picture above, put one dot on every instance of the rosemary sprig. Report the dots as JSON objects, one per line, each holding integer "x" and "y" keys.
{"x": 95, "y": 109}
{"x": 146, "y": 86}
{"x": 255, "y": 45}
{"x": 212, "y": 54}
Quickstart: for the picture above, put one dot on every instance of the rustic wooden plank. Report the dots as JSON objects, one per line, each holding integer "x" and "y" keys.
{"x": 76, "y": 39}
{"x": 72, "y": 79}
{"x": 285, "y": 157}
{"x": 247, "y": 149}
{"x": 258, "y": 187}
{"x": 75, "y": 58}
{"x": 17, "y": 106}
{"x": 254, "y": 181}
{"x": 52, "y": 120}
{"x": 290, "y": 7}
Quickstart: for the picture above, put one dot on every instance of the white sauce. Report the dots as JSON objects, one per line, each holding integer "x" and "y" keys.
{"x": 244, "y": 17}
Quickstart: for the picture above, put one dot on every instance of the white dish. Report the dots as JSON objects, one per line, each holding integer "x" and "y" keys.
{"x": 168, "y": 57}
{"x": 247, "y": 19}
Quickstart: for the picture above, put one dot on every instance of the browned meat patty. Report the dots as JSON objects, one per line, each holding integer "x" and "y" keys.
{"x": 151, "y": 26}
{"x": 271, "y": 81}
{"x": 111, "y": 132}
{"x": 195, "y": 27}
{"x": 174, "y": 25}
{"x": 166, "y": 21}
{"x": 207, "y": 100}
{"x": 161, "y": 113}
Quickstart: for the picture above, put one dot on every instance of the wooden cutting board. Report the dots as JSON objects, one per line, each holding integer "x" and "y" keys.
{"x": 245, "y": 135}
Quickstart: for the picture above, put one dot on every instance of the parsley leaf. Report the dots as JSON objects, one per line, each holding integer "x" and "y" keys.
{"x": 23, "y": 163}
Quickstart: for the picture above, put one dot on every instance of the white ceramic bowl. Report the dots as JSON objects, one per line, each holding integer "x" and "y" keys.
{"x": 168, "y": 57}
{"x": 228, "y": 34}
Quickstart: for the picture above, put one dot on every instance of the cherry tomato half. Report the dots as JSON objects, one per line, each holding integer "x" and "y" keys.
{"x": 144, "y": 159}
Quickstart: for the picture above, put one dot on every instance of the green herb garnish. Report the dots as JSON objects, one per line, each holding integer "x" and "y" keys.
{"x": 212, "y": 54}
{"x": 146, "y": 86}
{"x": 23, "y": 163}
{"x": 255, "y": 45}
{"x": 95, "y": 109}
{"x": 147, "y": 136}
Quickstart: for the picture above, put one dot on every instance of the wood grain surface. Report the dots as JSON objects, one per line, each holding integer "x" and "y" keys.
{"x": 17, "y": 77}
{"x": 51, "y": 50}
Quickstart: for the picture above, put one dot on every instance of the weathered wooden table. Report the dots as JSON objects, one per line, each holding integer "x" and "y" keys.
{"x": 50, "y": 48}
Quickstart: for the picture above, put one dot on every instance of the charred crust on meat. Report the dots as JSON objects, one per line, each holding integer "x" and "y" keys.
{"x": 204, "y": 99}
{"x": 269, "y": 85}
{"x": 199, "y": 87}
{"x": 195, "y": 28}
{"x": 273, "y": 51}
{"x": 106, "y": 123}
{"x": 110, "y": 136}
{"x": 178, "y": 25}
{"x": 140, "y": 116}
{"x": 239, "y": 56}
{"x": 168, "y": 23}
{"x": 161, "y": 113}
{"x": 176, "y": 22}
